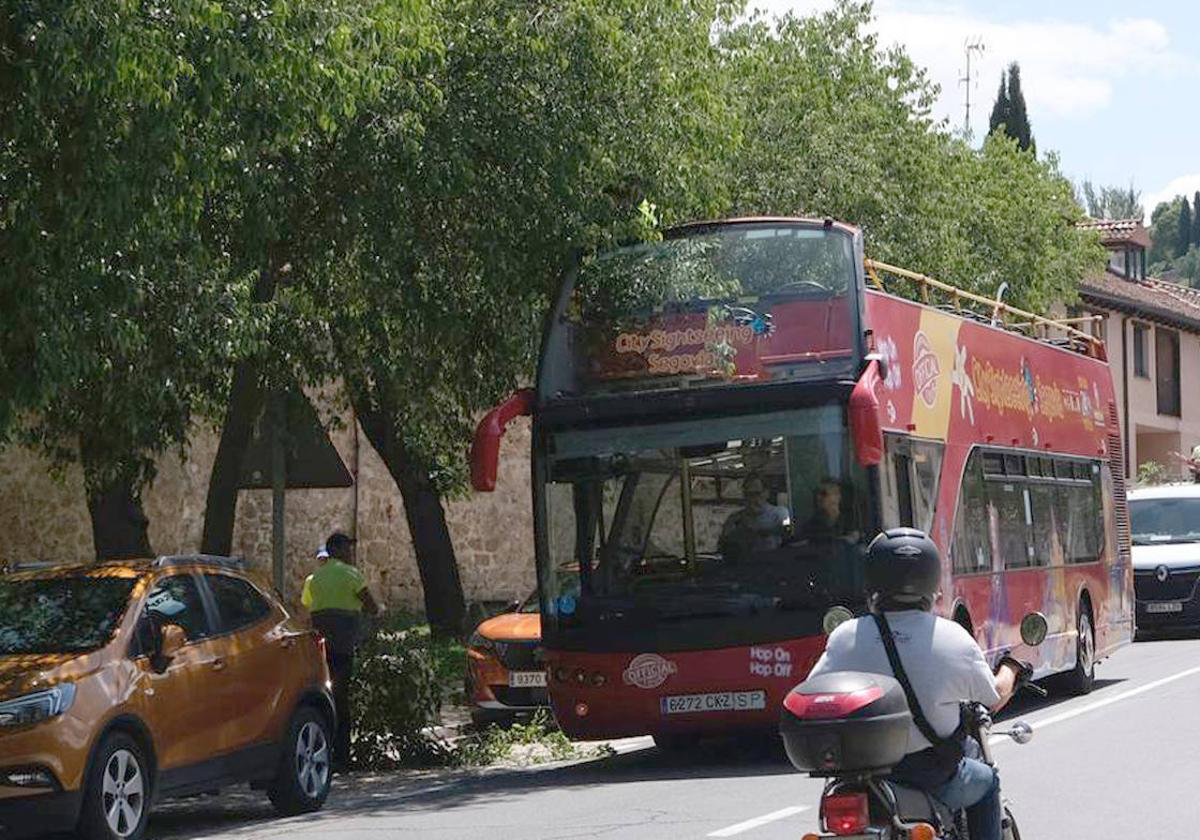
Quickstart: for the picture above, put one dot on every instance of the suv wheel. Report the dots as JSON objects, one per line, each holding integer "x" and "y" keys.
{"x": 305, "y": 772}
{"x": 116, "y": 800}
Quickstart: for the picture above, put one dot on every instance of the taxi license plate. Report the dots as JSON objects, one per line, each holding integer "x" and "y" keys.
{"x": 527, "y": 679}
{"x": 719, "y": 701}
{"x": 1164, "y": 607}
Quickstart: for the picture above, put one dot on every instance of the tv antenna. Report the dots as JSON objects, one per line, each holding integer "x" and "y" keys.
{"x": 969, "y": 78}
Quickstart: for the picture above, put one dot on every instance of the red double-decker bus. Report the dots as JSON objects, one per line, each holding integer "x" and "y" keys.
{"x": 723, "y": 420}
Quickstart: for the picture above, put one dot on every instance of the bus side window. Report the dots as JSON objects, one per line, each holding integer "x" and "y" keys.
{"x": 972, "y": 543}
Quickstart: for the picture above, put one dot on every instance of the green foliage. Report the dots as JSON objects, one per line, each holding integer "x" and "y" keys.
{"x": 154, "y": 160}
{"x": 1185, "y": 228}
{"x": 1009, "y": 114}
{"x": 1111, "y": 202}
{"x": 397, "y": 697}
{"x": 553, "y": 127}
{"x": 1164, "y": 231}
{"x": 1150, "y": 473}
{"x": 1187, "y": 267}
{"x": 848, "y": 135}
{"x": 534, "y": 742}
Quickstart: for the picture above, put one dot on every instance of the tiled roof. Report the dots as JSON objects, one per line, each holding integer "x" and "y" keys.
{"x": 1152, "y": 299}
{"x": 1119, "y": 231}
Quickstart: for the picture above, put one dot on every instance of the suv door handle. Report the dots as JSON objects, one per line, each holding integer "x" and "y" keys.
{"x": 218, "y": 664}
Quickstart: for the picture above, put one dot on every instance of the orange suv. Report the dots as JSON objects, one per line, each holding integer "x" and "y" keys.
{"x": 122, "y": 683}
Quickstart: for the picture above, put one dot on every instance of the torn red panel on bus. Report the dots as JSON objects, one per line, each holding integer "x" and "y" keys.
{"x": 865, "y": 426}
{"x": 485, "y": 448}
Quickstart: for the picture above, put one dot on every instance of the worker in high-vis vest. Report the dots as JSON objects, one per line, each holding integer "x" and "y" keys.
{"x": 336, "y": 596}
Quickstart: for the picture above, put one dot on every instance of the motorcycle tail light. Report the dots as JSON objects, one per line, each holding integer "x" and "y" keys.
{"x": 846, "y": 813}
{"x": 922, "y": 831}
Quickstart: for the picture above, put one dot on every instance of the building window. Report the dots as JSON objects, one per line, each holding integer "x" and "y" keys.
{"x": 1139, "y": 351}
{"x": 1166, "y": 359}
{"x": 1116, "y": 262}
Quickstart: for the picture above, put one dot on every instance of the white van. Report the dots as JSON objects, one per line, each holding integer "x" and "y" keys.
{"x": 1165, "y": 526}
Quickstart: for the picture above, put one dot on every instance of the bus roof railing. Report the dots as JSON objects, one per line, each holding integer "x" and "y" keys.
{"x": 999, "y": 309}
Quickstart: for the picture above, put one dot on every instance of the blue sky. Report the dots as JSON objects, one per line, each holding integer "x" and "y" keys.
{"x": 1111, "y": 86}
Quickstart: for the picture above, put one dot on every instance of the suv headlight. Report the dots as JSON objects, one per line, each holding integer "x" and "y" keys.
{"x": 38, "y": 706}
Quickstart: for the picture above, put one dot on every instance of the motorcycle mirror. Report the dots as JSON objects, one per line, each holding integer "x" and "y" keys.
{"x": 1021, "y": 732}
{"x": 1034, "y": 629}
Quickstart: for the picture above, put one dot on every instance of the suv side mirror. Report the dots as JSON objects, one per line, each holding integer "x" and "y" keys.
{"x": 171, "y": 639}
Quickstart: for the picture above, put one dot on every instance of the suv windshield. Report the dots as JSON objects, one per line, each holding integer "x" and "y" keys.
{"x": 60, "y": 614}
{"x": 756, "y": 524}
{"x": 1157, "y": 521}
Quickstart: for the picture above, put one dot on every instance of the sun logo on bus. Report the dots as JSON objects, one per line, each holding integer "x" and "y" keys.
{"x": 926, "y": 369}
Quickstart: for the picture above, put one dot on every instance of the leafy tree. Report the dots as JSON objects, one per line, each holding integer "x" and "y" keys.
{"x": 551, "y": 127}
{"x": 1185, "y": 227}
{"x": 148, "y": 162}
{"x": 925, "y": 199}
{"x": 1164, "y": 233}
{"x": 1188, "y": 266}
{"x": 1110, "y": 202}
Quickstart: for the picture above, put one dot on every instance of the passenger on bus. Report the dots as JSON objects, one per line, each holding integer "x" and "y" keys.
{"x": 758, "y": 526}
{"x": 827, "y": 523}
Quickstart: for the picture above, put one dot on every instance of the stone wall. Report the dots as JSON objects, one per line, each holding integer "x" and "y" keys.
{"x": 45, "y": 517}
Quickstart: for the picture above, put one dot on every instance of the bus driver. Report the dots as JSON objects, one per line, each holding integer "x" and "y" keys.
{"x": 758, "y": 526}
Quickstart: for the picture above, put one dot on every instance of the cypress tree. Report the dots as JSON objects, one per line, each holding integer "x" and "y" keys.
{"x": 1001, "y": 111}
{"x": 1018, "y": 124}
{"x": 1185, "y": 228}
{"x": 1196, "y": 219}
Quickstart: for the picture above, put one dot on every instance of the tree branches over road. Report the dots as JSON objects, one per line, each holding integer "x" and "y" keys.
{"x": 203, "y": 203}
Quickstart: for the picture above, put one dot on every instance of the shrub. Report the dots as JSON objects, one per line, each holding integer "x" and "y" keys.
{"x": 1150, "y": 473}
{"x": 397, "y": 698}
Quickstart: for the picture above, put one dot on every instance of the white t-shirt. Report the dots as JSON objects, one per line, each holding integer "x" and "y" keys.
{"x": 764, "y": 526}
{"x": 943, "y": 663}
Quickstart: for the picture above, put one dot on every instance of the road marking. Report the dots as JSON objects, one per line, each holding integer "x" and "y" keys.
{"x": 782, "y": 813}
{"x": 1100, "y": 704}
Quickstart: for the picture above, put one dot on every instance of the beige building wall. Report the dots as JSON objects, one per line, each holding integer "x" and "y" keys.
{"x": 1155, "y": 436}
{"x": 44, "y": 517}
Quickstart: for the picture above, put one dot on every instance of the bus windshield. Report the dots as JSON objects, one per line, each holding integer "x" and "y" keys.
{"x": 751, "y": 526}
{"x": 733, "y": 304}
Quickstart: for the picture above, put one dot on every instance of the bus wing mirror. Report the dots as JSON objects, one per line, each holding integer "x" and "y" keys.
{"x": 865, "y": 428}
{"x": 485, "y": 448}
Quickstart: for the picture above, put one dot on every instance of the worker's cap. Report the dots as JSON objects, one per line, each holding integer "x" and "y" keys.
{"x": 337, "y": 539}
{"x": 322, "y": 552}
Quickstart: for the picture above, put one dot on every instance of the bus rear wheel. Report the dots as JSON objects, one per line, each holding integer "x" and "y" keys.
{"x": 1083, "y": 676}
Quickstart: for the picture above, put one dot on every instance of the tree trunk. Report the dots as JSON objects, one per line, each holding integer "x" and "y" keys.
{"x": 119, "y": 526}
{"x": 220, "y": 508}
{"x": 445, "y": 606}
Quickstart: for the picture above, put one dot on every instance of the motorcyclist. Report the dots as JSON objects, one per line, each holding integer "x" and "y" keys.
{"x": 944, "y": 664}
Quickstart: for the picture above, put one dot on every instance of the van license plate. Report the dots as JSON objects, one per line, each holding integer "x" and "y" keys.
{"x": 720, "y": 701}
{"x": 1164, "y": 606}
{"x": 527, "y": 679}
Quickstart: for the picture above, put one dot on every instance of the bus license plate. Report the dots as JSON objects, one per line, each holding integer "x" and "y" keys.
{"x": 527, "y": 679}
{"x": 1164, "y": 606}
{"x": 720, "y": 701}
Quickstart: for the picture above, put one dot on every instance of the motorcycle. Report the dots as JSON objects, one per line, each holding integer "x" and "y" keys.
{"x": 851, "y": 728}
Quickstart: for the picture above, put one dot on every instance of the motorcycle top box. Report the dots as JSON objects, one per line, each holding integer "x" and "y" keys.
{"x": 845, "y": 722}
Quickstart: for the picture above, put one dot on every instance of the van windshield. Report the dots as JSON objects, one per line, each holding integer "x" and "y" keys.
{"x": 60, "y": 614}
{"x": 1159, "y": 521}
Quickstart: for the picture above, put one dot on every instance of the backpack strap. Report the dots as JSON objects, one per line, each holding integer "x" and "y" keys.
{"x": 893, "y": 655}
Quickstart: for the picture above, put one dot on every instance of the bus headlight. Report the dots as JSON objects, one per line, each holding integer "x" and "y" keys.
{"x": 835, "y": 616}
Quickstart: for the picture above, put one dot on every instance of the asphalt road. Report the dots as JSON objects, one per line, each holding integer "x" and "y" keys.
{"x": 1121, "y": 762}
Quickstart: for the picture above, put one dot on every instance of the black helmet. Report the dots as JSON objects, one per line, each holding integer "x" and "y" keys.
{"x": 903, "y": 569}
